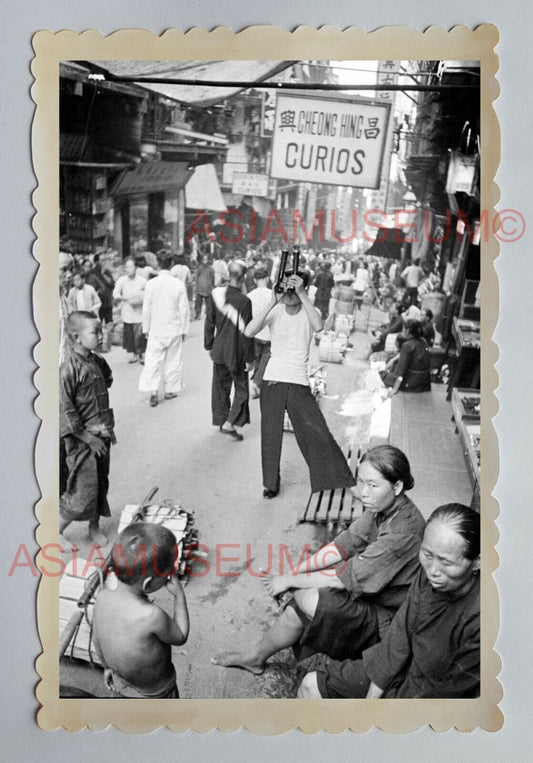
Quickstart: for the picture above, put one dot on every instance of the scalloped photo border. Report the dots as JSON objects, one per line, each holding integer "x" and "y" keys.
{"x": 260, "y": 716}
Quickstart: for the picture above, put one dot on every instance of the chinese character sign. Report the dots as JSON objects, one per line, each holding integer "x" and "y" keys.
{"x": 249, "y": 184}
{"x": 324, "y": 140}
{"x": 387, "y": 74}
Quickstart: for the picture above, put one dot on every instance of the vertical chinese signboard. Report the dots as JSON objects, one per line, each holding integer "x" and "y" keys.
{"x": 387, "y": 74}
{"x": 326, "y": 140}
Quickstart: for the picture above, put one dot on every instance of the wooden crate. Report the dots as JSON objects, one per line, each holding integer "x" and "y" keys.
{"x": 334, "y": 508}
{"x": 71, "y": 587}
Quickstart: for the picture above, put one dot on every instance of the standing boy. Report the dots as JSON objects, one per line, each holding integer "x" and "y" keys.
{"x": 133, "y": 636}
{"x": 86, "y": 426}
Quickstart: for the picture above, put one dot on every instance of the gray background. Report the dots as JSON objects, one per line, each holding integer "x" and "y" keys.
{"x": 21, "y": 739}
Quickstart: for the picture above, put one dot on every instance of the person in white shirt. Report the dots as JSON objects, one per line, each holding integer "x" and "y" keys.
{"x": 181, "y": 271}
{"x": 129, "y": 291}
{"x": 165, "y": 319}
{"x": 362, "y": 279}
{"x": 220, "y": 269}
{"x": 260, "y": 298}
{"x": 412, "y": 275}
{"x": 292, "y": 320}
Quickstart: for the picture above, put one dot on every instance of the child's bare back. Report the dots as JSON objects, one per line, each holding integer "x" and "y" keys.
{"x": 126, "y": 628}
{"x": 132, "y": 635}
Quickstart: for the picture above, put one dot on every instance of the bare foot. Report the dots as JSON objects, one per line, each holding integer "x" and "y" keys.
{"x": 97, "y": 536}
{"x": 237, "y": 660}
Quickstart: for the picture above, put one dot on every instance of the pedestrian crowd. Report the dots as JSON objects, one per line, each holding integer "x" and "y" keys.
{"x": 389, "y": 608}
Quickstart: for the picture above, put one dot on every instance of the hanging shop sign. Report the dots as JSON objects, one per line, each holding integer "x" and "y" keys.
{"x": 325, "y": 140}
{"x": 250, "y": 184}
{"x": 461, "y": 174}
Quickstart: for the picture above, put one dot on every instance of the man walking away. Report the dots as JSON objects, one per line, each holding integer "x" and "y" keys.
{"x": 228, "y": 312}
{"x": 166, "y": 323}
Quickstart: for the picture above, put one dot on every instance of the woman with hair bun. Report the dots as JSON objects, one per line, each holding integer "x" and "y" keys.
{"x": 432, "y": 648}
{"x": 343, "y": 598}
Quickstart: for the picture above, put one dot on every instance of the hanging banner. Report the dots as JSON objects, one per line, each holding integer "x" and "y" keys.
{"x": 325, "y": 140}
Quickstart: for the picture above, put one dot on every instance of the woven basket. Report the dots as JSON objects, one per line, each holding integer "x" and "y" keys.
{"x": 332, "y": 348}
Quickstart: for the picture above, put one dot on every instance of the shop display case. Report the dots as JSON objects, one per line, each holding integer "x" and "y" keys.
{"x": 466, "y": 407}
{"x": 467, "y": 338}
{"x": 466, "y": 404}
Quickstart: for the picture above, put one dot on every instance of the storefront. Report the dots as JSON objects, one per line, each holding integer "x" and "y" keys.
{"x": 149, "y": 205}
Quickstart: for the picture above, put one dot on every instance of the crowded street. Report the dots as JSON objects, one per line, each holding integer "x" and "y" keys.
{"x": 270, "y": 407}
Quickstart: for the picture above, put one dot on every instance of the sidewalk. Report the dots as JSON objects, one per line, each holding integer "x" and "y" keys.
{"x": 422, "y": 426}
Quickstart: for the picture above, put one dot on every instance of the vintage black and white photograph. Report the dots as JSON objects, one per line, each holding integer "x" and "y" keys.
{"x": 272, "y": 294}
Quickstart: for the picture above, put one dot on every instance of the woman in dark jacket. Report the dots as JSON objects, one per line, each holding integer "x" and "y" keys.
{"x": 432, "y": 648}
{"x": 412, "y": 370}
{"x": 344, "y": 598}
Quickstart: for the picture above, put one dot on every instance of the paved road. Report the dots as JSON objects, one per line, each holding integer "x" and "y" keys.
{"x": 175, "y": 447}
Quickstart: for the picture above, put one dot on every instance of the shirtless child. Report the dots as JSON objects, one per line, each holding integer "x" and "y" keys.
{"x": 132, "y": 635}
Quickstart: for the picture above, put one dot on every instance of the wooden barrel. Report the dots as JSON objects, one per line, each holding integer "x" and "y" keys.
{"x": 345, "y": 294}
{"x": 344, "y": 308}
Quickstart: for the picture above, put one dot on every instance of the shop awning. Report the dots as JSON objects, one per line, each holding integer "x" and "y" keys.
{"x": 203, "y": 191}
{"x": 153, "y": 177}
{"x": 388, "y": 243}
{"x": 194, "y": 95}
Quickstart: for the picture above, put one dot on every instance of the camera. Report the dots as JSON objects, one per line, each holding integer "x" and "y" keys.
{"x": 287, "y": 268}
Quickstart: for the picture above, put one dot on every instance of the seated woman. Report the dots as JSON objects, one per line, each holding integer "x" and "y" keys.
{"x": 412, "y": 372}
{"x": 431, "y": 649}
{"x": 428, "y": 327}
{"x": 346, "y": 597}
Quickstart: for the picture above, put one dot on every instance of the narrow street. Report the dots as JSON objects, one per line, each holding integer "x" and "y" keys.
{"x": 176, "y": 448}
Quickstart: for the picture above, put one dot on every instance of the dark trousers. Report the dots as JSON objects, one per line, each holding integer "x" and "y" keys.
{"x": 106, "y": 314}
{"x": 410, "y": 296}
{"x": 328, "y": 468}
{"x": 237, "y": 411}
{"x": 200, "y": 298}
{"x": 323, "y": 306}
{"x": 262, "y": 356}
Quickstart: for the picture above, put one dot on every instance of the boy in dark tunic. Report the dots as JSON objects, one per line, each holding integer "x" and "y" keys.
{"x": 86, "y": 426}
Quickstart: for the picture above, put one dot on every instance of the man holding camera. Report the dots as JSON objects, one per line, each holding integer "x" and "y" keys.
{"x": 292, "y": 320}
